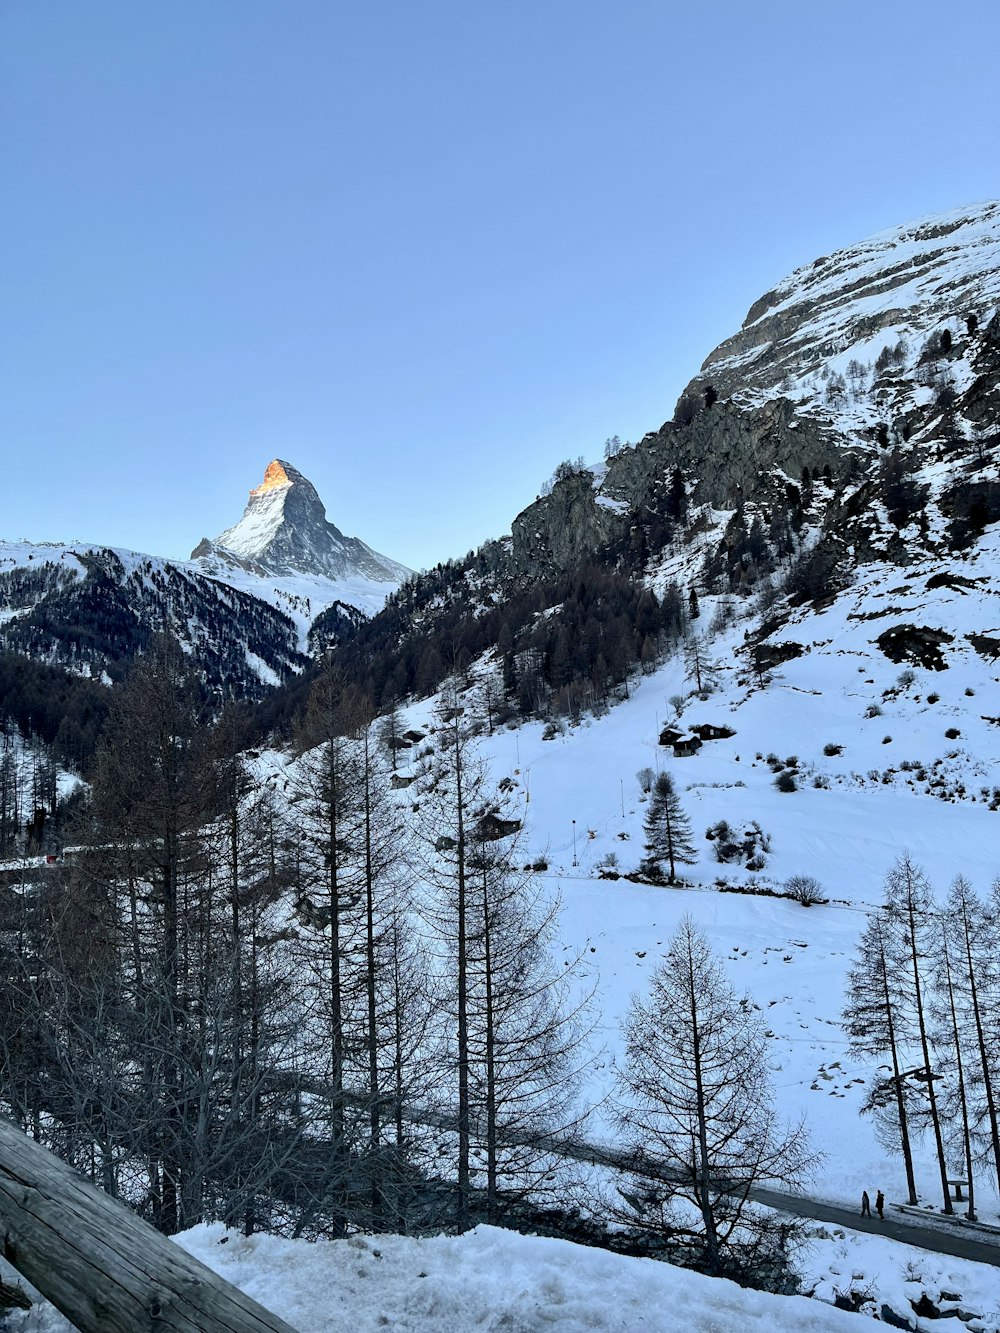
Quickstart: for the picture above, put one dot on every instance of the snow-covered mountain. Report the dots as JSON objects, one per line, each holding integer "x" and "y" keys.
{"x": 245, "y": 607}
{"x": 290, "y": 550}
{"x": 829, "y": 491}
{"x": 90, "y": 609}
{"x": 838, "y": 336}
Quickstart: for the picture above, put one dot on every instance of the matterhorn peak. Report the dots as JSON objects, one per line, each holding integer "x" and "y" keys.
{"x": 277, "y": 473}
{"x": 284, "y": 532}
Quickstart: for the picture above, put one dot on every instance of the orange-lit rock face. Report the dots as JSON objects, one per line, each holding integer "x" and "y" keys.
{"x": 274, "y": 476}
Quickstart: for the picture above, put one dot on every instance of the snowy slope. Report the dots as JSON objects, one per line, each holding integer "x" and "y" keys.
{"x": 301, "y": 597}
{"x": 896, "y": 289}
{"x": 488, "y": 1279}
{"x": 896, "y": 782}
{"x": 83, "y": 605}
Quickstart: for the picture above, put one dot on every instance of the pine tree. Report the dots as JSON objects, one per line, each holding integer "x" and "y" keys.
{"x": 977, "y": 983}
{"x": 696, "y": 1100}
{"x": 668, "y": 829}
{"x": 878, "y": 1023}
{"x": 909, "y": 909}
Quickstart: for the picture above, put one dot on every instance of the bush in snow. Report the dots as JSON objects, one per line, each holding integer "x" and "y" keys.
{"x": 785, "y": 781}
{"x": 804, "y": 889}
{"x": 747, "y": 845}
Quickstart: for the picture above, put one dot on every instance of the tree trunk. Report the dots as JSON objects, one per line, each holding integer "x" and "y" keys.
{"x": 984, "y": 1058}
{"x": 704, "y": 1182}
{"x": 925, "y": 1049}
{"x": 490, "y": 1037}
{"x": 375, "y": 1114}
{"x": 464, "y": 1147}
{"x": 962, "y": 1100}
{"x": 897, "y": 1082}
{"x": 101, "y": 1266}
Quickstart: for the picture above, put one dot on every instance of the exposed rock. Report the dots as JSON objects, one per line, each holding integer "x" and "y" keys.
{"x": 985, "y": 646}
{"x": 919, "y": 644}
{"x": 895, "y": 1320}
{"x": 562, "y": 528}
{"x": 767, "y": 656}
{"x": 949, "y": 579}
{"x": 728, "y": 450}
{"x": 915, "y": 276}
{"x": 729, "y": 453}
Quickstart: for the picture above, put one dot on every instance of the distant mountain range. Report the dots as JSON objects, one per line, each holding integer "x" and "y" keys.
{"x": 243, "y": 605}
{"x": 851, "y": 422}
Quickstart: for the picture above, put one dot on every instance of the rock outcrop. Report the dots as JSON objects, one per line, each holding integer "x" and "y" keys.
{"x": 908, "y": 283}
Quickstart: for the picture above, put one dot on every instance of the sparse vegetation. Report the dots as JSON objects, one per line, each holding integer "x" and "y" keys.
{"x": 805, "y": 889}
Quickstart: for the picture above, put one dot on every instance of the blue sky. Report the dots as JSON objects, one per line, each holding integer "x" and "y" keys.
{"x": 423, "y": 251}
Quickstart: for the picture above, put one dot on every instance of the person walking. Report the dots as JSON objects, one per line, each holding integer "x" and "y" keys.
{"x": 880, "y": 1205}
{"x": 866, "y": 1204}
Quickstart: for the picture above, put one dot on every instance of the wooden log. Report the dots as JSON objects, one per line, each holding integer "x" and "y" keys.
{"x": 103, "y": 1267}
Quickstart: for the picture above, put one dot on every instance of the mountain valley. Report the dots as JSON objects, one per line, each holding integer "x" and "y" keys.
{"x": 786, "y": 599}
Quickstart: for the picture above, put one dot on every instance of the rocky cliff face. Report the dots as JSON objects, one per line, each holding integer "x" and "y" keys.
{"x": 284, "y": 531}
{"x": 818, "y": 336}
{"x": 726, "y": 453}
{"x": 890, "y": 345}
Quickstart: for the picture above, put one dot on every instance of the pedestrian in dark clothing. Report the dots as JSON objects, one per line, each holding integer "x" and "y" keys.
{"x": 866, "y": 1204}
{"x": 879, "y": 1205}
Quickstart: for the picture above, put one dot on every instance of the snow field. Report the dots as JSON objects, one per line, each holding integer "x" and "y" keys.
{"x": 488, "y": 1280}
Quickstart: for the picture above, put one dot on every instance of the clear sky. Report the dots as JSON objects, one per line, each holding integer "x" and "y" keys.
{"x": 424, "y": 251}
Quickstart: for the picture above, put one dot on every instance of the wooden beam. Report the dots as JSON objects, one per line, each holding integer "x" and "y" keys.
{"x": 99, "y": 1264}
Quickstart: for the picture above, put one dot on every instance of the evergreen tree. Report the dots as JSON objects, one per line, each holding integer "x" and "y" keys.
{"x": 668, "y": 829}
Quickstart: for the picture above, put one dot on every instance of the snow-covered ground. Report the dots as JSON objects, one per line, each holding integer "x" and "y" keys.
{"x": 896, "y": 782}
{"x": 498, "y": 1280}
{"x": 874, "y": 1272}
{"x": 488, "y": 1280}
